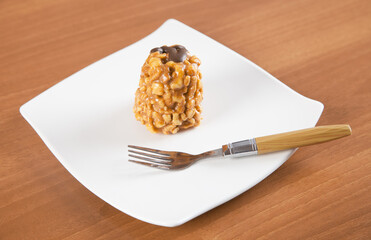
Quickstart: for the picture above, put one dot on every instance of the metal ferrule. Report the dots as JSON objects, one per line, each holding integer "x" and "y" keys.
{"x": 241, "y": 148}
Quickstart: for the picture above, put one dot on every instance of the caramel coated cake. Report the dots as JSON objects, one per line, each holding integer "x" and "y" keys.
{"x": 170, "y": 91}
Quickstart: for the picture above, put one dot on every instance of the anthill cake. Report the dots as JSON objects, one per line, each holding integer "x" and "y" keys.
{"x": 170, "y": 91}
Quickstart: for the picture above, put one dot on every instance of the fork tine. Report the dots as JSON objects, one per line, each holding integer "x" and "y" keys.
{"x": 149, "y": 150}
{"x": 151, "y": 164}
{"x": 151, "y": 155}
{"x": 152, "y": 160}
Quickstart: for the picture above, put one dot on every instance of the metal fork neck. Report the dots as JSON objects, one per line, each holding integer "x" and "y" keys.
{"x": 213, "y": 153}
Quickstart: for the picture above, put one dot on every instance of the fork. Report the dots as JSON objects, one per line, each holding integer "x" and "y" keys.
{"x": 172, "y": 160}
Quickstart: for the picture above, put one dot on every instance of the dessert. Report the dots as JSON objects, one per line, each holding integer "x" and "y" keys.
{"x": 170, "y": 91}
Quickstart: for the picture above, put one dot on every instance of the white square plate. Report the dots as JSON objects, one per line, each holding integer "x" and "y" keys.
{"x": 87, "y": 121}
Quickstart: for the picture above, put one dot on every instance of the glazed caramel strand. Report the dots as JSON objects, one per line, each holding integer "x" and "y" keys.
{"x": 169, "y": 95}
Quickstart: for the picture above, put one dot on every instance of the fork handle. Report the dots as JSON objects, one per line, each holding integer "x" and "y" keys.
{"x": 300, "y": 138}
{"x": 288, "y": 140}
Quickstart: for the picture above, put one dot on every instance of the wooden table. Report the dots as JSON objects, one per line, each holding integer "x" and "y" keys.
{"x": 322, "y": 49}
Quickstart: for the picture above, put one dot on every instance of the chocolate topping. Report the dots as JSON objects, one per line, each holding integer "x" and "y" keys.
{"x": 177, "y": 53}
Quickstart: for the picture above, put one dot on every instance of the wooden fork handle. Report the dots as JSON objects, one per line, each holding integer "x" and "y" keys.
{"x": 301, "y": 138}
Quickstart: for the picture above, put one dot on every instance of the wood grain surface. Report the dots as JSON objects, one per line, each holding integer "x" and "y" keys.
{"x": 322, "y": 49}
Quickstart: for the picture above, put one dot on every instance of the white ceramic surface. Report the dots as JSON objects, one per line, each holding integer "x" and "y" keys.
{"x": 86, "y": 120}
